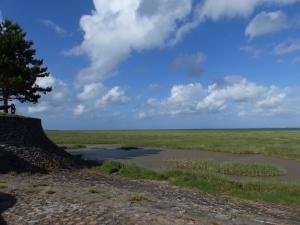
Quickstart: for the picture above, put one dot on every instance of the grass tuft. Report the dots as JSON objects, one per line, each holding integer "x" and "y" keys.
{"x": 93, "y": 191}
{"x": 3, "y": 185}
{"x": 136, "y": 197}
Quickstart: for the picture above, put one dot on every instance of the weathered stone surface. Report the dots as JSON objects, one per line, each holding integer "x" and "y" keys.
{"x": 73, "y": 203}
{"x": 25, "y": 147}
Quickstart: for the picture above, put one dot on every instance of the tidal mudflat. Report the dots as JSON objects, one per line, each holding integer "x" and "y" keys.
{"x": 156, "y": 159}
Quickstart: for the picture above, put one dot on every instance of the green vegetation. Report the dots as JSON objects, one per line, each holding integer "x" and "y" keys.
{"x": 93, "y": 191}
{"x": 19, "y": 67}
{"x": 3, "y": 185}
{"x": 228, "y": 168}
{"x": 74, "y": 146}
{"x": 279, "y": 143}
{"x": 270, "y": 191}
{"x": 136, "y": 197}
{"x": 129, "y": 170}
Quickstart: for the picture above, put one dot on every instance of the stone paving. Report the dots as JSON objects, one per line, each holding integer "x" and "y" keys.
{"x": 86, "y": 197}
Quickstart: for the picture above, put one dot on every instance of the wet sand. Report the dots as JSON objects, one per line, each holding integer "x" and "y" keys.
{"x": 155, "y": 158}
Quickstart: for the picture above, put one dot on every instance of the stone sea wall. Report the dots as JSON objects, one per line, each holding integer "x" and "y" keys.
{"x": 25, "y": 146}
{"x": 25, "y": 132}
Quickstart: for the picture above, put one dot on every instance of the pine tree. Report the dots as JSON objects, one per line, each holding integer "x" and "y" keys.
{"x": 19, "y": 69}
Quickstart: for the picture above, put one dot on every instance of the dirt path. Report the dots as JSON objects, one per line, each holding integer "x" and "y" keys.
{"x": 155, "y": 158}
{"x": 86, "y": 197}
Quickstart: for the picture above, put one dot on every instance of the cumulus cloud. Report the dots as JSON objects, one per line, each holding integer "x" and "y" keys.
{"x": 250, "y": 49}
{"x": 95, "y": 97}
{"x": 90, "y": 91}
{"x": 182, "y": 100}
{"x": 244, "y": 96}
{"x": 116, "y": 95}
{"x": 287, "y": 47}
{"x": 116, "y": 28}
{"x": 266, "y": 23}
{"x": 192, "y": 63}
{"x": 55, "y": 27}
{"x": 56, "y": 101}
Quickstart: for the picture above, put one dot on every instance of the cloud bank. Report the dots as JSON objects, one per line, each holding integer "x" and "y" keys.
{"x": 243, "y": 96}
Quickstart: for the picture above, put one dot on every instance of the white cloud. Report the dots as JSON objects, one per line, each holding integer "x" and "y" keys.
{"x": 266, "y": 23}
{"x": 215, "y": 10}
{"x": 287, "y": 47}
{"x": 183, "y": 99}
{"x": 95, "y": 97}
{"x": 56, "y": 101}
{"x": 41, "y": 108}
{"x": 256, "y": 52}
{"x": 116, "y": 28}
{"x": 243, "y": 96}
{"x": 273, "y": 97}
{"x": 79, "y": 110}
{"x": 191, "y": 63}
{"x": 90, "y": 91}
{"x": 55, "y": 27}
{"x": 231, "y": 88}
{"x": 116, "y": 95}
{"x": 218, "y": 9}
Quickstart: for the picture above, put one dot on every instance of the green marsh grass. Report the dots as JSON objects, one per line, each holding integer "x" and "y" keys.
{"x": 228, "y": 168}
{"x": 129, "y": 170}
{"x": 269, "y": 191}
{"x": 279, "y": 143}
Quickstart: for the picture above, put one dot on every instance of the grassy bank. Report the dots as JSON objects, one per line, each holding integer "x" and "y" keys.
{"x": 228, "y": 168}
{"x": 275, "y": 192}
{"x": 279, "y": 143}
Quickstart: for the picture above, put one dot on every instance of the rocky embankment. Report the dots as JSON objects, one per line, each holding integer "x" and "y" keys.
{"x": 25, "y": 147}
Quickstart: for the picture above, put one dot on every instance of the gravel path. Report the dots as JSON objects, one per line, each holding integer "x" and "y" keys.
{"x": 86, "y": 197}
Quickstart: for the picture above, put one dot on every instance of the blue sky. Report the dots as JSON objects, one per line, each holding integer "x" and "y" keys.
{"x": 155, "y": 64}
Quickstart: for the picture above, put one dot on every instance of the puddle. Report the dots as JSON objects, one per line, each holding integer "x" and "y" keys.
{"x": 155, "y": 158}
